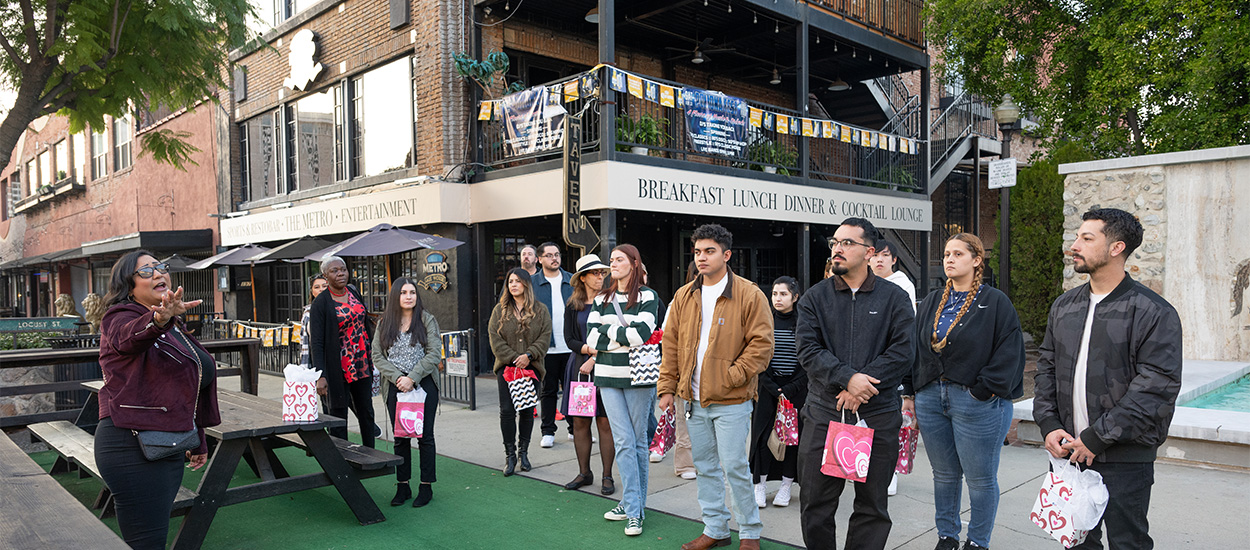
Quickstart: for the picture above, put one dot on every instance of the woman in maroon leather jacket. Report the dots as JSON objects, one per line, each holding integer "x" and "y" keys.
{"x": 156, "y": 377}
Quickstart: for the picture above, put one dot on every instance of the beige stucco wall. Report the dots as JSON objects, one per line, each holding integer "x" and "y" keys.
{"x": 1195, "y": 208}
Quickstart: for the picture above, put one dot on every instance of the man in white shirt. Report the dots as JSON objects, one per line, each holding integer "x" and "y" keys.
{"x": 553, "y": 289}
{"x": 883, "y": 265}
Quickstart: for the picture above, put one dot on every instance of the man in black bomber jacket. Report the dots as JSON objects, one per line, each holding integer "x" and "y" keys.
{"x": 1113, "y": 418}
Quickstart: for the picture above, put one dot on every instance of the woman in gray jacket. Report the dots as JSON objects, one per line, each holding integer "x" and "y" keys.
{"x": 407, "y": 351}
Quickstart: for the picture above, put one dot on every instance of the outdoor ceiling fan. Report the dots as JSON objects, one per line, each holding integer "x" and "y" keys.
{"x": 699, "y": 53}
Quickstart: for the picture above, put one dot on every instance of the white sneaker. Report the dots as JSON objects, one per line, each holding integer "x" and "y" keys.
{"x": 548, "y": 441}
{"x": 761, "y": 495}
{"x": 571, "y": 438}
{"x": 689, "y": 475}
{"x": 633, "y": 527}
{"x": 893, "y": 488}
{"x": 783, "y": 495}
{"x": 616, "y": 514}
{"x": 656, "y": 457}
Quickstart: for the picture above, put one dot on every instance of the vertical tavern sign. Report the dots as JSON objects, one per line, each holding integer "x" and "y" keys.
{"x": 577, "y": 230}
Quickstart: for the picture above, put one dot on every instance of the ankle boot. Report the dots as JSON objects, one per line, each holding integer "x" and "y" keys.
{"x": 509, "y": 460}
{"x": 424, "y": 494}
{"x": 402, "y": 493}
{"x": 525, "y": 461}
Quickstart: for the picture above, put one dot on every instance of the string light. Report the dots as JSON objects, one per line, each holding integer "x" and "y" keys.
{"x": 507, "y": 5}
{"x": 818, "y": 39}
{"x": 731, "y": 7}
{"x": 776, "y": 27}
{"x": 755, "y": 18}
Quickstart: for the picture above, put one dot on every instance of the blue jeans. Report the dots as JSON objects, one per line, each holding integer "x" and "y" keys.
{"x": 629, "y": 410}
{"x": 718, "y": 443}
{"x": 963, "y": 437}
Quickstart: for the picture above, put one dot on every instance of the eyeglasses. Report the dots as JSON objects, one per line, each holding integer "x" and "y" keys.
{"x": 149, "y": 271}
{"x": 551, "y": 256}
{"x": 844, "y": 243}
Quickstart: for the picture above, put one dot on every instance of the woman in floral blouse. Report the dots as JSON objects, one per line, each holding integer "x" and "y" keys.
{"x": 339, "y": 348}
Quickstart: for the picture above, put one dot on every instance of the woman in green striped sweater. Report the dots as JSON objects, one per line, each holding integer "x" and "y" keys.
{"x": 624, "y": 316}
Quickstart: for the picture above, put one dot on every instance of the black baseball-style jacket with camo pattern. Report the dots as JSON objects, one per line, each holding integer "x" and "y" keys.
{"x": 1133, "y": 372}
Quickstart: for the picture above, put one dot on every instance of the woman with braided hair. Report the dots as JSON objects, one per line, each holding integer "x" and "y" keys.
{"x": 969, "y": 367}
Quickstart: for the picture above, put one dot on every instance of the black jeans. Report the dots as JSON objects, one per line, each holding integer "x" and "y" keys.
{"x": 508, "y": 420}
{"x": 425, "y": 443}
{"x": 870, "y": 523}
{"x": 555, "y": 364}
{"x": 143, "y": 490}
{"x": 360, "y": 397}
{"x": 1128, "y": 484}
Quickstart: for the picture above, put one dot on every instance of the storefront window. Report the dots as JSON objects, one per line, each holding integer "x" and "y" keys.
{"x": 315, "y": 140}
{"x": 382, "y": 115}
{"x": 369, "y": 276}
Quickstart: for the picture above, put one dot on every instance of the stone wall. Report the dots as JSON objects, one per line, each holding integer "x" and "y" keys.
{"x": 1194, "y": 206}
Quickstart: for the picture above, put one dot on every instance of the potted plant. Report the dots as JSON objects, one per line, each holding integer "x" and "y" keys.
{"x": 772, "y": 157}
{"x": 45, "y": 190}
{"x": 61, "y": 175}
{"x": 634, "y": 135}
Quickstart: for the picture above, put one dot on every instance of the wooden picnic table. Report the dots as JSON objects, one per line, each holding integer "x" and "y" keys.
{"x": 39, "y": 513}
{"x": 254, "y": 425}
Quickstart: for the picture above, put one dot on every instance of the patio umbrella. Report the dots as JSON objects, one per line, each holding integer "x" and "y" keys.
{"x": 178, "y": 263}
{"x": 294, "y": 251}
{"x": 236, "y": 256}
{"x": 383, "y": 239}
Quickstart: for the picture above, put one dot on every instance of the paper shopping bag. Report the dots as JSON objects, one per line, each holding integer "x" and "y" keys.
{"x": 907, "y": 437}
{"x": 787, "y": 423}
{"x": 522, "y": 387}
{"x": 582, "y": 398}
{"x": 299, "y": 394}
{"x": 665, "y": 433}
{"x": 848, "y": 449}
{"x": 410, "y": 413}
{"x": 1070, "y": 503}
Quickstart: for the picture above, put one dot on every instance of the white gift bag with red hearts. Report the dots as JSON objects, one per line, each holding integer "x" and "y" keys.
{"x": 299, "y": 394}
{"x": 1070, "y": 503}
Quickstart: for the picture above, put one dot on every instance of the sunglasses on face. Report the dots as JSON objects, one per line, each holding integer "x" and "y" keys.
{"x": 149, "y": 271}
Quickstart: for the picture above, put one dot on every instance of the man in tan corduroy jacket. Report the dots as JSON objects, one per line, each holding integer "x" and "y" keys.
{"x": 717, "y": 342}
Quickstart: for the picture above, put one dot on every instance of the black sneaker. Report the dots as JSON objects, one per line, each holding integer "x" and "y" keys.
{"x": 947, "y": 543}
{"x": 969, "y": 545}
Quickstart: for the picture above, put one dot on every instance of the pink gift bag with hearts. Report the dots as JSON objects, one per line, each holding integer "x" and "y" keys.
{"x": 907, "y": 437}
{"x": 410, "y": 413}
{"x": 582, "y": 400}
{"x": 848, "y": 449}
{"x": 299, "y": 402}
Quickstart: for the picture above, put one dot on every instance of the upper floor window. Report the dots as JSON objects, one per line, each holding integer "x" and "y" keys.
{"x": 32, "y": 177}
{"x": 45, "y": 168}
{"x": 121, "y": 143}
{"x": 14, "y": 190}
{"x": 382, "y": 116}
{"x": 78, "y": 147}
{"x": 60, "y": 153}
{"x": 99, "y": 148}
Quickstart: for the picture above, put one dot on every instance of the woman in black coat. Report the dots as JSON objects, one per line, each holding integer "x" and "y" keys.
{"x": 340, "y": 348}
{"x": 784, "y": 377}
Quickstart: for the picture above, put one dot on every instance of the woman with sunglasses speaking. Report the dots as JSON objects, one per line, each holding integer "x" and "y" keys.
{"x": 158, "y": 382}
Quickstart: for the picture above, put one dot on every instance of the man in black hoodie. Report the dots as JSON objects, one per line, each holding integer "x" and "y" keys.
{"x": 854, "y": 337}
{"x": 1109, "y": 371}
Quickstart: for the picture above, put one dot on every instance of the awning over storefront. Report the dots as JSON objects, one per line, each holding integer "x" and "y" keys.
{"x": 35, "y": 261}
{"x": 186, "y": 240}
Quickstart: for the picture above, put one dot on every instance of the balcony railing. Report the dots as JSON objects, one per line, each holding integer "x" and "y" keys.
{"x": 900, "y": 19}
{"x": 830, "y": 159}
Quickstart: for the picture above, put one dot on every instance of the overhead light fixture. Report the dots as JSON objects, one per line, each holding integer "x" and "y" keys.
{"x": 755, "y": 18}
{"x": 731, "y": 7}
{"x": 507, "y": 5}
{"x": 592, "y": 16}
{"x": 776, "y": 27}
{"x": 776, "y": 78}
{"x": 818, "y": 39}
{"x": 839, "y": 85}
{"x": 698, "y": 57}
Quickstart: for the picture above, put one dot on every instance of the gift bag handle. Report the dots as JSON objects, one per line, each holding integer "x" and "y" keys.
{"x": 857, "y": 419}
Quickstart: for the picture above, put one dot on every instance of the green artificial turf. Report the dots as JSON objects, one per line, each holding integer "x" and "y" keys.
{"x": 473, "y": 507}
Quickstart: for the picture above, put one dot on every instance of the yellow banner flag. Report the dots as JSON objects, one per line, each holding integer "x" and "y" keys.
{"x": 809, "y": 129}
{"x": 297, "y": 333}
{"x": 268, "y": 338}
{"x": 828, "y": 128}
{"x": 756, "y": 116}
{"x": 666, "y": 96}
{"x": 484, "y": 112}
{"x": 570, "y": 91}
{"x": 238, "y": 331}
{"x": 783, "y": 124}
{"x": 635, "y": 85}
{"x": 846, "y": 134}
{"x": 286, "y": 336}
{"x": 883, "y": 141}
{"x": 865, "y": 139}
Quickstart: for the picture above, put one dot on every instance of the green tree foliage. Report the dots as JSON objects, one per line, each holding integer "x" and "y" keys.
{"x": 489, "y": 74}
{"x": 1127, "y": 78}
{"x": 1037, "y": 237}
{"x": 88, "y": 59}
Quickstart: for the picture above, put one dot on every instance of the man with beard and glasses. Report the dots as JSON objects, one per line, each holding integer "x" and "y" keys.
{"x": 1108, "y": 375}
{"x": 854, "y": 336}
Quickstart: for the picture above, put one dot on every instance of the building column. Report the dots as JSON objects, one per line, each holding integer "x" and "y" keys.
{"x": 607, "y": 97}
{"x": 607, "y": 233}
{"x": 801, "y": 91}
{"x": 805, "y": 256}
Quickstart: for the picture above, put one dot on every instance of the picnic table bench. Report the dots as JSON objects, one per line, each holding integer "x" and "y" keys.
{"x": 39, "y": 513}
{"x": 251, "y": 427}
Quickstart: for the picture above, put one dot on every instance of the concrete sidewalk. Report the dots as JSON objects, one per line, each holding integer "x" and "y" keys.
{"x": 1191, "y": 507}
